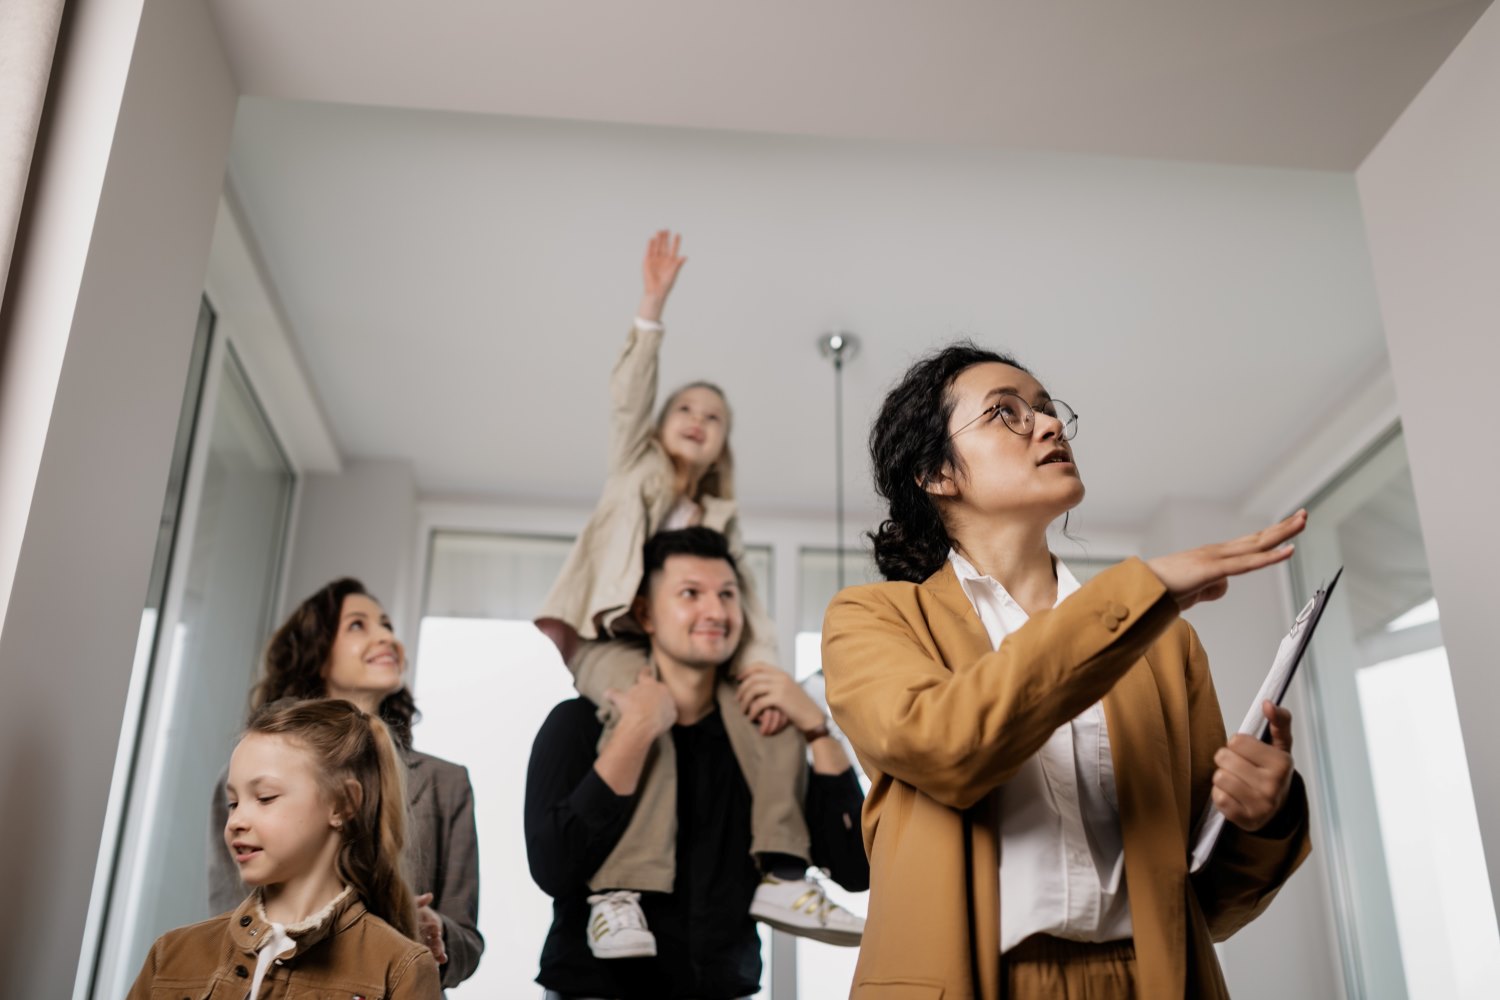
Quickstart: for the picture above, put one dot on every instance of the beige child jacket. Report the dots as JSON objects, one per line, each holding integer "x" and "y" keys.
{"x": 594, "y": 591}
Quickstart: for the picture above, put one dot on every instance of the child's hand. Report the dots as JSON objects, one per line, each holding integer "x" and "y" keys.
{"x": 771, "y": 722}
{"x": 430, "y": 927}
{"x": 647, "y": 705}
{"x": 764, "y": 689}
{"x": 659, "y": 273}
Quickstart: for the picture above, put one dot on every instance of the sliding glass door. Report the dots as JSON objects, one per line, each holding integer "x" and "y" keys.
{"x": 1415, "y": 913}
{"x": 214, "y": 591}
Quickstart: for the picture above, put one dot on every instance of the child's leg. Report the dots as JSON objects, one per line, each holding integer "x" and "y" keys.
{"x": 775, "y": 768}
{"x": 598, "y": 665}
{"x": 645, "y": 859}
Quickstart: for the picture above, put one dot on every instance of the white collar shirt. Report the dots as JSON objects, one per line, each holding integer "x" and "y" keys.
{"x": 1062, "y": 861}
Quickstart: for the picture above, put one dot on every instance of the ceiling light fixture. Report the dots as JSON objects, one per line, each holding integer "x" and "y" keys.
{"x": 838, "y": 347}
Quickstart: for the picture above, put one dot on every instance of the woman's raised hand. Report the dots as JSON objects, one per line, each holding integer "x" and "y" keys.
{"x": 659, "y": 273}
{"x": 1202, "y": 574}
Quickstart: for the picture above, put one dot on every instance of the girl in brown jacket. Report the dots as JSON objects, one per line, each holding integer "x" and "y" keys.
{"x": 317, "y": 822}
{"x": 1039, "y": 750}
{"x": 339, "y": 643}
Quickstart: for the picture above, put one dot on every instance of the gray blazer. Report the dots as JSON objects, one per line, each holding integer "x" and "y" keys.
{"x": 442, "y": 856}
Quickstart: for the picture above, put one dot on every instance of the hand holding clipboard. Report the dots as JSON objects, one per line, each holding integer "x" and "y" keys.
{"x": 1257, "y": 722}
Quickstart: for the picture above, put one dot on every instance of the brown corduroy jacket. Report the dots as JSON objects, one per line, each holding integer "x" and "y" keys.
{"x": 941, "y": 720}
{"x": 441, "y": 857}
{"x": 351, "y": 953}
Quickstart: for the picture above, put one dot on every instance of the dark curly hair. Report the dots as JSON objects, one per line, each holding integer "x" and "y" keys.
{"x": 298, "y": 652}
{"x": 699, "y": 541}
{"x": 909, "y": 443}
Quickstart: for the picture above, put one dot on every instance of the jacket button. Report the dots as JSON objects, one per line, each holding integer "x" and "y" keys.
{"x": 1110, "y": 622}
{"x": 242, "y": 972}
{"x": 245, "y": 920}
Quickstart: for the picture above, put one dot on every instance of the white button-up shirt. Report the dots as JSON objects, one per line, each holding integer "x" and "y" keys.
{"x": 1062, "y": 862}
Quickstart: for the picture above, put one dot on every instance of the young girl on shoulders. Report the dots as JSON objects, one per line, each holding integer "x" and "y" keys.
{"x": 669, "y": 471}
{"x": 317, "y": 821}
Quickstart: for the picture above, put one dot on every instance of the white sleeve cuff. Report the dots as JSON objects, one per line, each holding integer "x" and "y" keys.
{"x": 648, "y": 324}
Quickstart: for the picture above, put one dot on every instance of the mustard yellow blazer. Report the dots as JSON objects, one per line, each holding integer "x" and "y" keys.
{"x": 940, "y": 721}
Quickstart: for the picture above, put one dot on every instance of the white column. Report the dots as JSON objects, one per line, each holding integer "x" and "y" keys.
{"x": 357, "y": 523}
{"x": 100, "y": 315}
{"x": 28, "y": 37}
{"x": 1432, "y": 209}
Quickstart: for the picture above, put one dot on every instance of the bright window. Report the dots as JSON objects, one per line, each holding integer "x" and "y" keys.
{"x": 1444, "y": 915}
{"x": 1416, "y": 919}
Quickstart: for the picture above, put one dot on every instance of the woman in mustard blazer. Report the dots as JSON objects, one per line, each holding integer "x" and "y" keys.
{"x": 1033, "y": 799}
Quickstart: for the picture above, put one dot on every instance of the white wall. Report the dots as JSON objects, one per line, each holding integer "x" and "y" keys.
{"x": 1432, "y": 209}
{"x": 1293, "y": 947}
{"x": 357, "y": 523}
{"x": 409, "y": 268}
{"x": 100, "y": 323}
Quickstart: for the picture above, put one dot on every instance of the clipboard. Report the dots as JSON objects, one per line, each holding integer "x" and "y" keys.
{"x": 1283, "y": 668}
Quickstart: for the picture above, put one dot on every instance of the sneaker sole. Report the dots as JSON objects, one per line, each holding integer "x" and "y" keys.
{"x": 636, "y": 951}
{"x": 826, "y": 935}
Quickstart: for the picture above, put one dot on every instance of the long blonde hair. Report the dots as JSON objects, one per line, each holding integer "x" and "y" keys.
{"x": 718, "y": 481}
{"x": 360, "y": 772}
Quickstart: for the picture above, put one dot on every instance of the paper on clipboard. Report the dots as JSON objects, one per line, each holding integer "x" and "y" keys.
{"x": 1288, "y": 656}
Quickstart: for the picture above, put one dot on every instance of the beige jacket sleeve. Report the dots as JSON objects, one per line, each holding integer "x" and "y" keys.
{"x": 957, "y": 731}
{"x": 1246, "y": 870}
{"x": 632, "y": 391}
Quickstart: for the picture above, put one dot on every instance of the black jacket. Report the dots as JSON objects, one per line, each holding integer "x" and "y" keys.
{"x": 707, "y": 944}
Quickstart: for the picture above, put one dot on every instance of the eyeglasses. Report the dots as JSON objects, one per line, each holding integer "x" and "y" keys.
{"x": 1020, "y": 416}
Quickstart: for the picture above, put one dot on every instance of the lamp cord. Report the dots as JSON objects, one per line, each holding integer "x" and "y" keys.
{"x": 838, "y": 458}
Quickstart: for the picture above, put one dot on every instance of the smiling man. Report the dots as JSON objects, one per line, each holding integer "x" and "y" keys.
{"x": 580, "y": 798}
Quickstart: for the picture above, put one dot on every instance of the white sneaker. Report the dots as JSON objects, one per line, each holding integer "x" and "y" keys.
{"x": 801, "y": 908}
{"x": 617, "y": 927}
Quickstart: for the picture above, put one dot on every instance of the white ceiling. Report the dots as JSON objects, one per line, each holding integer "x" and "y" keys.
{"x": 459, "y": 285}
{"x": 1297, "y": 83}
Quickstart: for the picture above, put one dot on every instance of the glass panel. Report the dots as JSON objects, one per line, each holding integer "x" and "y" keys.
{"x": 1415, "y": 914}
{"x": 483, "y": 575}
{"x": 759, "y": 564}
{"x": 1084, "y": 570}
{"x": 824, "y": 970}
{"x": 146, "y": 642}
{"x": 818, "y": 581}
{"x": 507, "y": 577}
{"x": 484, "y": 686}
{"x": 202, "y": 670}
{"x": 187, "y": 422}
